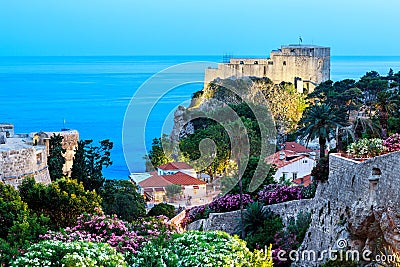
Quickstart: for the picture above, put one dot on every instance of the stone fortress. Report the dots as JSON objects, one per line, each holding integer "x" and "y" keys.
{"x": 25, "y": 155}
{"x": 305, "y": 66}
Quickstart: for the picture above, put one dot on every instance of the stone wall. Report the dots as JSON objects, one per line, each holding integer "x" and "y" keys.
{"x": 229, "y": 221}
{"x": 17, "y": 164}
{"x": 360, "y": 204}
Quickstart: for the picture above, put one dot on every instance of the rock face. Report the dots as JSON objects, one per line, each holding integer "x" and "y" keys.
{"x": 359, "y": 206}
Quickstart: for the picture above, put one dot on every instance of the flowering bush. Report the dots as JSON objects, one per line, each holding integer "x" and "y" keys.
{"x": 392, "y": 143}
{"x": 229, "y": 203}
{"x": 208, "y": 249}
{"x": 225, "y": 203}
{"x": 365, "y": 148}
{"x": 276, "y": 193}
{"x": 125, "y": 237}
{"x": 57, "y": 253}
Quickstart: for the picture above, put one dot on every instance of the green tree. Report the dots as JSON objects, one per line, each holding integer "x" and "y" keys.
{"x": 321, "y": 121}
{"x": 385, "y": 104}
{"x": 121, "y": 197}
{"x": 62, "y": 200}
{"x": 162, "y": 209}
{"x": 56, "y": 159}
{"x": 89, "y": 162}
{"x": 173, "y": 190}
{"x": 156, "y": 156}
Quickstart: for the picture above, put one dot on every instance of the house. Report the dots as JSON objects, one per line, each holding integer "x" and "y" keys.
{"x": 153, "y": 185}
{"x": 291, "y": 165}
{"x": 174, "y": 167}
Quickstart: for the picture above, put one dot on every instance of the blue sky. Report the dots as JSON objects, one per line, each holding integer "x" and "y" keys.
{"x": 194, "y": 27}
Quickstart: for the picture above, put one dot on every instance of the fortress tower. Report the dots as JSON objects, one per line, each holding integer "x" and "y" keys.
{"x": 305, "y": 66}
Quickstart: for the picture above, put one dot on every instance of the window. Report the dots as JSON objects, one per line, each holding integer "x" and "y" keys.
{"x": 39, "y": 158}
{"x": 241, "y": 62}
{"x": 255, "y": 62}
{"x": 284, "y": 63}
{"x": 285, "y": 175}
{"x": 270, "y": 63}
{"x": 294, "y": 175}
{"x": 305, "y": 161}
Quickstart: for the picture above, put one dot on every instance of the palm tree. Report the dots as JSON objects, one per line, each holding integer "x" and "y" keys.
{"x": 385, "y": 104}
{"x": 321, "y": 121}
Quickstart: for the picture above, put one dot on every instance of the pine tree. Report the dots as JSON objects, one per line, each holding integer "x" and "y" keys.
{"x": 56, "y": 160}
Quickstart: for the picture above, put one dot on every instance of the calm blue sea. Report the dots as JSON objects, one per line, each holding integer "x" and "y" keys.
{"x": 92, "y": 93}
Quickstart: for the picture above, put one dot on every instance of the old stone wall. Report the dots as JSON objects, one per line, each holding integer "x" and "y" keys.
{"x": 17, "y": 164}
{"x": 359, "y": 204}
{"x": 229, "y": 221}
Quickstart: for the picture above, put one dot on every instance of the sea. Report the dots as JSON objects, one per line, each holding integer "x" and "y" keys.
{"x": 92, "y": 95}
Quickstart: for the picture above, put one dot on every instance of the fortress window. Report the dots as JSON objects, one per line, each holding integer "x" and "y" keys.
{"x": 39, "y": 158}
{"x": 256, "y": 62}
{"x": 284, "y": 63}
{"x": 241, "y": 62}
{"x": 270, "y": 63}
{"x": 265, "y": 70}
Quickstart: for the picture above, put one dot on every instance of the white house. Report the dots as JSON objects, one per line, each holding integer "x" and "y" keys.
{"x": 175, "y": 167}
{"x": 291, "y": 165}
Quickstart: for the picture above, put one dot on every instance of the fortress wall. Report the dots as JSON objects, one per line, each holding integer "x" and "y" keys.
{"x": 21, "y": 163}
{"x": 310, "y": 63}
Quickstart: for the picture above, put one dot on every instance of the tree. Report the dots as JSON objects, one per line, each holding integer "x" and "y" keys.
{"x": 156, "y": 156}
{"x": 120, "y": 197}
{"x": 162, "y": 209}
{"x": 62, "y": 200}
{"x": 89, "y": 161}
{"x": 173, "y": 190}
{"x": 56, "y": 159}
{"x": 321, "y": 121}
{"x": 385, "y": 105}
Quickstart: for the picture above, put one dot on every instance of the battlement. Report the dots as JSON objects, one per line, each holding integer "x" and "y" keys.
{"x": 303, "y": 65}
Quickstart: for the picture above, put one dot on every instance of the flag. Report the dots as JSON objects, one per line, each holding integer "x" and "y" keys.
{"x": 301, "y": 40}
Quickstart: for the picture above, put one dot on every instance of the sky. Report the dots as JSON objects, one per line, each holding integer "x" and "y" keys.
{"x": 196, "y": 27}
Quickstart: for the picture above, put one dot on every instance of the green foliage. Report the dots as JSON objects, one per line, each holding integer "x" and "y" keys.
{"x": 321, "y": 121}
{"x": 321, "y": 171}
{"x": 365, "y": 148}
{"x": 156, "y": 156}
{"x": 89, "y": 162}
{"x": 19, "y": 225}
{"x": 339, "y": 263}
{"x": 194, "y": 248}
{"x": 62, "y": 200}
{"x": 57, "y": 253}
{"x": 393, "y": 125}
{"x": 254, "y": 216}
{"x": 56, "y": 159}
{"x": 300, "y": 225}
{"x": 7, "y": 252}
{"x": 309, "y": 191}
{"x": 120, "y": 197}
{"x": 265, "y": 234}
{"x": 162, "y": 209}
{"x": 173, "y": 190}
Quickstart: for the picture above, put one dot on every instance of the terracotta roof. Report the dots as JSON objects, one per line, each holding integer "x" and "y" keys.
{"x": 274, "y": 158}
{"x": 305, "y": 181}
{"x": 181, "y": 178}
{"x": 155, "y": 181}
{"x": 296, "y": 147}
{"x": 175, "y": 166}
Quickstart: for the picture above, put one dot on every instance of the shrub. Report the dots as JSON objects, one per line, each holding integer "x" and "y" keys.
{"x": 163, "y": 209}
{"x": 57, "y": 253}
{"x": 229, "y": 203}
{"x": 309, "y": 191}
{"x": 194, "y": 248}
{"x": 272, "y": 194}
{"x": 365, "y": 148}
{"x": 126, "y": 238}
{"x": 392, "y": 143}
{"x": 339, "y": 263}
{"x": 254, "y": 216}
{"x": 321, "y": 171}
{"x": 265, "y": 235}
